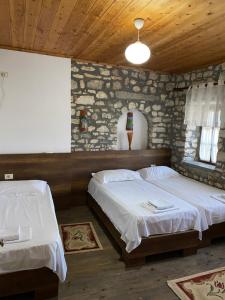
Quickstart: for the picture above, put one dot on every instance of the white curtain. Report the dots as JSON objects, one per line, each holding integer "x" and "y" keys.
{"x": 205, "y": 105}
{"x": 209, "y": 144}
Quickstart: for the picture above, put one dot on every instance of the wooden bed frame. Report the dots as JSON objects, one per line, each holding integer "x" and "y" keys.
{"x": 215, "y": 231}
{"x": 42, "y": 282}
{"x": 187, "y": 241}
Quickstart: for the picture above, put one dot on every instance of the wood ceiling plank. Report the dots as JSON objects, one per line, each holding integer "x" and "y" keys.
{"x": 128, "y": 34}
{"x": 71, "y": 31}
{"x": 47, "y": 14}
{"x": 98, "y": 29}
{"x": 5, "y": 23}
{"x": 96, "y": 13}
{"x": 106, "y": 55}
{"x": 189, "y": 39}
{"x": 31, "y": 19}
{"x": 198, "y": 47}
{"x": 17, "y": 15}
{"x": 61, "y": 18}
{"x": 181, "y": 34}
{"x": 155, "y": 49}
{"x": 188, "y": 24}
{"x": 148, "y": 38}
{"x": 198, "y": 63}
{"x": 120, "y": 21}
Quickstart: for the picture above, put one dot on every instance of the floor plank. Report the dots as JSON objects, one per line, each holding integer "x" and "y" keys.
{"x": 100, "y": 275}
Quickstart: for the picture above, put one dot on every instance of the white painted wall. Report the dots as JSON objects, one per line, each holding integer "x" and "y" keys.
{"x": 35, "y": 113}
{"x": 140, "y": 132}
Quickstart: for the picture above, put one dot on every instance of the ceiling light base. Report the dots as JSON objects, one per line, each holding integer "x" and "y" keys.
{"x": 139, "y": 23}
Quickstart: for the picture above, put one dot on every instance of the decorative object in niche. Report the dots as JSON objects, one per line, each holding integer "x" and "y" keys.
{"x": 83, "y": 121}
{"x": 139, "y": 133}
{"x": 129, "y": 128}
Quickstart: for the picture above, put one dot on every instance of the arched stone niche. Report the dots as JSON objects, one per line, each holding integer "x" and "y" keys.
{"x": 140, "y": 132}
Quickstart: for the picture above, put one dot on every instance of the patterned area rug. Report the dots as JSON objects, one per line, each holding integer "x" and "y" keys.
{"x": 203, "y": 286}
{"x": 80, "y": 237}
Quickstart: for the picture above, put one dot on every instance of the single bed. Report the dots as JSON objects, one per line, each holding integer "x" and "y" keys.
{"x": 196, "y": 193}
{"x": 29, "y": 204}
{"x": 139, "y": 232}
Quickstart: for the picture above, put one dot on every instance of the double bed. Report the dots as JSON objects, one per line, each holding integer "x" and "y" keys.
{"x": 140, "y": 232}
{"x": 36, "y": 261}
{"x": 122, "y": 202}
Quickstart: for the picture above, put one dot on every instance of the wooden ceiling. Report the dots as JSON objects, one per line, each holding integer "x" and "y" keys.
{"x": 182, "y": 34}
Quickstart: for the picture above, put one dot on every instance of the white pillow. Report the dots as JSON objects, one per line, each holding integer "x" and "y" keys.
{"x": 157, "y": 172}
{"x": 107, "y": 176}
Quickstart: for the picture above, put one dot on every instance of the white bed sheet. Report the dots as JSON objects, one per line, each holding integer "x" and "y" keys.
{"x": 121, "y": 203}
{"x": 29, "y": 203}
{"x": 197, "y": 194}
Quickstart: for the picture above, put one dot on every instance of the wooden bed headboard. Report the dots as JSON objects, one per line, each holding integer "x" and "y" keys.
{"x": 68, "y": 174}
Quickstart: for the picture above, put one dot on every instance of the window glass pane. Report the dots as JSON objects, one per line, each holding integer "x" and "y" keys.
{"x": 205, "y": 144}
{"x": 214, "y": 149}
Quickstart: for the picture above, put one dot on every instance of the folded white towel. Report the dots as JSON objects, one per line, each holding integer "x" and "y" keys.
{"x": 154, "y": 210}
{"x": 9, "y": 234}
{"x": 160, "y": 204}
{"x": 25, "y": 234}
{"x": 219, "y": 197}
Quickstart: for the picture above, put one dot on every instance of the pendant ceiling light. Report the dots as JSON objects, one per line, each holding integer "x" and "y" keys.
{"x": 138, "y": 53}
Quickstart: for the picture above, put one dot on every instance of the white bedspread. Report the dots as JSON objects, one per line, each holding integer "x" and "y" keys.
{"x": 29, "y": 204}
{"x": 121, "y": 201}
{"x": 196, "y": 193}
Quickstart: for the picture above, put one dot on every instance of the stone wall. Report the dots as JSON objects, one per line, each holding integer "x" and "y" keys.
{"x": 184, "y": 142}
{"x": 105, "y": 92}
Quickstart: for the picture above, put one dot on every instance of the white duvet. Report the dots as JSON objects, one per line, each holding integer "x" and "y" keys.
{"x": 30, "y": 204}
{"x": 121, "y": 201}
{"x": 196, "y": 193}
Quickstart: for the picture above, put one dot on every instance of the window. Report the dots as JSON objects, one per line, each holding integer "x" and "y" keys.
{"x": 205, "y": 110}
{"x": 209, "y": 144}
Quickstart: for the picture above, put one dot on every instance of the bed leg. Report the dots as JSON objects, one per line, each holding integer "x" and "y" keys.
{"x": 204, "y": 243}
{"x": 189, "y": 251}
{"x": 133, "y": 262}
{"x": 46, "y": 292}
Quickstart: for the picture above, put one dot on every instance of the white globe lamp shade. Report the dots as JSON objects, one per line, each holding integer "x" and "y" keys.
{"x": 137, "y": 53}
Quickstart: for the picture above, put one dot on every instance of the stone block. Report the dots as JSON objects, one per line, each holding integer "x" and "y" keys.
{"x": 101, "y": 95}
{"x": 85, "y": 100}
{"x": 95, "y": 84}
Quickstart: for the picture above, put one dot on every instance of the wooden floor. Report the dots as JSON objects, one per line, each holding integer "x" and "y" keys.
{"x": 101, "y": 275}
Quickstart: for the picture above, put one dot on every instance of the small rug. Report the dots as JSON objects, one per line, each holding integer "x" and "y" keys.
{"x": 80, "y": 237}
{"x": 202, "y": 286}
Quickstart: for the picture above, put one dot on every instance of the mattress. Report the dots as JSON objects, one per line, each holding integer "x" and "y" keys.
{"x": 121, "y": 202}
{"x": 197, "y": 194}
{"x": 30, "y": 204}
